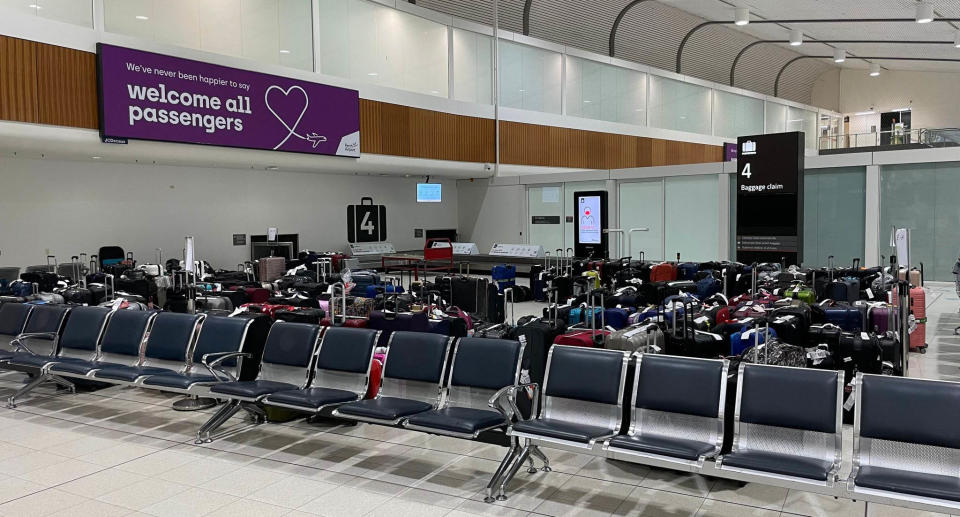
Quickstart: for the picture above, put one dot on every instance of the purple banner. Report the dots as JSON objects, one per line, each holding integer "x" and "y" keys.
{"x": 156, "y": 97}
{"x": 729, "y": 151}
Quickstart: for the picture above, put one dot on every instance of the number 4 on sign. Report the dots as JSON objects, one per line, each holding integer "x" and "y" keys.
{"x": 746, "y": 170}
{"x": 366, "y": 224}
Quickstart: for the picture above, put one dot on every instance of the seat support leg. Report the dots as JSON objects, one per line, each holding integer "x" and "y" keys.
{"x": 866, "y": 508}
{"x": 521, "y": 458}
{"x": 535, "y": 450}
{"x": 27, "y": 388}
{"x": 256, "y": 412}
{"x": 218, "y": 419}
{"x": 504, "y": 465}
{"x": 63, "y": 383}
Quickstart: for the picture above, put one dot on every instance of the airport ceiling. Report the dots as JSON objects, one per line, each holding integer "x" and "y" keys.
{"x": 652, "y": 31}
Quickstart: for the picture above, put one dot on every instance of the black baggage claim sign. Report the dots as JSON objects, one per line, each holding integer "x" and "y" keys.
{"x": 770, "y": 198}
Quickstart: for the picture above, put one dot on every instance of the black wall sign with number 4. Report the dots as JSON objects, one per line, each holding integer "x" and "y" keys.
{"x": 366, "y": 222}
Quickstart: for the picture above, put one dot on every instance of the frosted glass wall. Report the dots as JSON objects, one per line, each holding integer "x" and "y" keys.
{"x": 775, "y": 120}
{"x": 546, "y": 201}
{"x": 473, "y": 67}
{"x": 605, "y": 92}
{"x": 373, "y": 43}
{"x": 76, "y": 12}
{"x": 806, "y": 121}
{"x": 834, "y": 207}
{"x": 270, "y": 31}
{"x": 530, "y": 78}
{"x": 923, "y": 197}
{"x": 679, "y": 106}
{"x": 736, "y": 115}
{"x": 691, "y": 220}
{"x": 641, "y": 206}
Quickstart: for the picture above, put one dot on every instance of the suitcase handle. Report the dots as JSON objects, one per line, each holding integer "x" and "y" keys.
{"x": 856, "y": 263}
{"x": 363, "y": 200}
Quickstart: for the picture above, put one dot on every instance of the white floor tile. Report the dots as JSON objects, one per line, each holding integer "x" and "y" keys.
{"x": 657, "y": 503}
{"x": 292, "y": 492}
{"x": 41, "y": 503}
{"x": 249, "y": 508}
{"x": 344, "y": 502}
{"x": 100, "y": 483}
{"x": 751, "y": 494}
{"x": 194, "y": 501}
{"x": 142, "y": 493}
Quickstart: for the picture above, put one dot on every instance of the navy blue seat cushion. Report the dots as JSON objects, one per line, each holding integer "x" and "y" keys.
{"x": 79, "y": 366}
{"x": 458, "y": 419}
{"x": 5, "y": 344}
{"x": 130, "y": 373}
{"x": 179, "y": 380}
{"x": 561, "y": 430}
{"x": 311, "y": 398}
{"x": 784, "y": 464}
{"x": 906, "y": 482}
{"x": 34, "y": 361}
{"x": 385, "y": 408}
{"x": 795, "y": 398}
{"x": 251, "y": 389}
{"x": 13, "y": 317}
{"x": 664, "y": 446}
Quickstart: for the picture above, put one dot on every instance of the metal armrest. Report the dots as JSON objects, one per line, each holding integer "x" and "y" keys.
{"x": 20, "y": 346}
{"x": 221, "y": 375}
{"x": 505, "y": 401}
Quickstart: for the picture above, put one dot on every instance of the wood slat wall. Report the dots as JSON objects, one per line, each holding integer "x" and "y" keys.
{"x": 67, "y": 85}
{"x": 53, "y": 85}
{"x": 547, "y": 146}
{"x": 18, "y": 80}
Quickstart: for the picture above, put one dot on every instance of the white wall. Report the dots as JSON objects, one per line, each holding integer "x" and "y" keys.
{"x": 491, "y": 213}
{"x": 70, "y": 207}
{"x": 932, "y": 95}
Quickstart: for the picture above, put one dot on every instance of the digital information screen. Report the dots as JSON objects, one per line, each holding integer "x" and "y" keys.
{"x": 770, "y": 197}
{"x": 588, "y": 217}
{"x": 429, "y": 192}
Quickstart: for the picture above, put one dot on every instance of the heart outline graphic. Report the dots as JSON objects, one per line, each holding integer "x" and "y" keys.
{"x": 291, "y": 130}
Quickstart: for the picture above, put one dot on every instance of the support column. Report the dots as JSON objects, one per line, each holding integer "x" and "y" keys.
{"x": 871, "y": 231}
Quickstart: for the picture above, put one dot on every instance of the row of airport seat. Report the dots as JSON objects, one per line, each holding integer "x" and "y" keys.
{"x": 787, "y": 422}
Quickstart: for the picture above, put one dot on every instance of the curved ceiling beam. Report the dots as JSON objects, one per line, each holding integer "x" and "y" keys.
{"x": 526, "y": 17}
{"x": 776, "y": 84}
{"x": 733, "y": 67}
{"x": 686, "y": 38}
{"x": 616, "y": 24}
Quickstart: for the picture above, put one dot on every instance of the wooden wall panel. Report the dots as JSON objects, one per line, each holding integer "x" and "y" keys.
{"x": 18, "y": 80}
{"x": 47, "y": 84}
{"x": 67, "y": 87}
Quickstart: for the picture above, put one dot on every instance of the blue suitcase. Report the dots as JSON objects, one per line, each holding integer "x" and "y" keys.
{"x": 617, "y": 317}
{"x": 687, "y": 270}
{"x": 846, "y": 317}
{"x": 582, "y": 315}
{"x": 746, "y": 338}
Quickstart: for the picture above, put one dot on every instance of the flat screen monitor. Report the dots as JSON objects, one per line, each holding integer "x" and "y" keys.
{"x": 261, "y": 250}
{"x": 429, "y": 192}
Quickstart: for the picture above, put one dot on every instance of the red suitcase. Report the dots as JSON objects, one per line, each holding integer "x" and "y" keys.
{"x": 257, "y": 294}
{"x": 663, "y": 272}
{"x": 376, "y": 367}
{"x": 586, "y": 338}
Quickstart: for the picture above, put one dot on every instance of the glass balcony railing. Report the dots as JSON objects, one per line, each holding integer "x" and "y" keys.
{"x": 908, "y": 138}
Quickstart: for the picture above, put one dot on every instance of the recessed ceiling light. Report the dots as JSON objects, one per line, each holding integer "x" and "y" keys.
{"x": 435, "y": 92}
{"x": 741, "y": 16}
{"x": 95, "y": 157}
{"x": 35, "y": 6}
{"x": 869, "y": 112}
{"x": 839, "y": 55}
{"x": 284, "y": 51}
{"x": 587, "y": 101}
{"x": 141, "y": 17}
{"x": 924, "y": 12}
{"x": 874, "y": 70}
{"x": 796, "y": 38}
{"x": 956, "y": 40}
{"x": 372, "y": 74}
{"x": 272, "y": 168}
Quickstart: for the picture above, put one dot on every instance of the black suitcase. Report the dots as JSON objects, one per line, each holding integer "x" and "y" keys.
{"x": 312, "y": 316}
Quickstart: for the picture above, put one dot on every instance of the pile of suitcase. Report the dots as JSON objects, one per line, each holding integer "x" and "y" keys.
{"x": 840, "y": 318}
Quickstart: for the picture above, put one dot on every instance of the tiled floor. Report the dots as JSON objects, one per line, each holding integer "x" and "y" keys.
{"x": 119, "y": 452}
